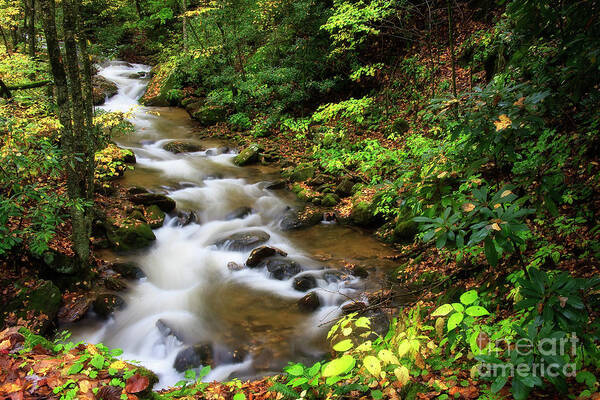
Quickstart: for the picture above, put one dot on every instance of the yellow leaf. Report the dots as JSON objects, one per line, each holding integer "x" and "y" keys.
{"x": 496, "y": 227}
{"x": 91, "y": 349}
{"x": 503, "y": 122}
{"x": 118, "y": 365}
{"x": 387, "y": 357}
{"x": 5, "y": 344}
{"x": 84, "y": 386}
{"x": 402, "y": 375}
{"x": 468, "y": 207}
{"x": 505, "y": 193}
{"x": 372, "y": 365}
{"x": 404, "y": 347}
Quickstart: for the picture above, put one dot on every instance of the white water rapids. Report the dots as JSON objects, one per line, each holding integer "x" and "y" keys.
{"x": 188, "y": 284}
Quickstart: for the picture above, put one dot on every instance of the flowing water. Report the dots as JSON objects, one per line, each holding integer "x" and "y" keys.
{"x": 188, "y": 286}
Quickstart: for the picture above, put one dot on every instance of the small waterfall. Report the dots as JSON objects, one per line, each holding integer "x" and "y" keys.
{"x": 188, "y": 286}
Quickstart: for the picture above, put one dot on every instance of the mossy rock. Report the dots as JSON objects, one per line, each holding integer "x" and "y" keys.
{"x": 102, "y": 89}
{"x": 178, "y": 146}
{"x": 330, "y": 200}
{"x": 162, "y": 82}
{"x": 344, "y": 189}
{"x": 308, "y": 217}
{"x": 38, "y": 303}
{"x": 107, "y": 303}
{"x": 128, "y": 270}
{"x": 131, "y": 235}
{"x": 302, "y": 172}
{"x": 249, "y": 155}
{"x": 395, "y": 232}
{"x": 190, "y": 100}
{"x": 210, "y": 115}
{"x": 163, "y": 202}
{"x": 155, "y": 216}
{"x": 363, "y": 214}
{"x": 59, "y": 262}
{"x": 400, "y": 126}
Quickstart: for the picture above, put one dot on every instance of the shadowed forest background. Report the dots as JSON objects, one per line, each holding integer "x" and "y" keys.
{"x": 454, "y": 144}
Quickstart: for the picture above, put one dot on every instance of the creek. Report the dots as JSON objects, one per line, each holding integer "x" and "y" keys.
{"x": 190, "y": 296}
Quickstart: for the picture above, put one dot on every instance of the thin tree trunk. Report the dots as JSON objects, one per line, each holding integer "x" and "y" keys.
{"x": 31, "y": 29}
{"x": 451, "y": 40}
{"x": 138, "y": 8}
{"x": 4, "y": 91}
{"x": 79, "y": 182}
{"x": 6, "y": 44}
{"x": 185, "y": 23}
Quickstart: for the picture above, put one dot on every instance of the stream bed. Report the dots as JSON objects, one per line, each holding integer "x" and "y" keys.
{"x": 248, "y": 319}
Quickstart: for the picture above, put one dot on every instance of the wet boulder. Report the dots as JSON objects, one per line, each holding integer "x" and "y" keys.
{"x": 248, "y": 156}
{"x": 107, "y": 303}
{"x": 102, "y": 89}
{"x": 163, "y": 202}
{"x": 309, "y": 303}
{"x": 260, "y": 253}
{"x": 155, "y": 216}
{"x": 74, "y": 309}
{"x": 302, "y": 172}
{"x": 330, "y": 200}
{"x": 238, "y": 213}
{"x": 131, "y": 235}
{"x": 187, "y": 217}
{"x": 166, "y": 329}
{"x": 136, "y": 190}
{"x": 344, "y": 188}
{"x": 233, "y": 266}
{"x": 304, "y": 283}
{"x": 194, "y": 357}
{"x": 276, "y": 185}
{"x": 210, "y": 115}
{"x": 245, "y": 240}
{"x": 179, "y": 146}
{"x": 38, "y": 302}
{"x": 309, "y": 216}
{"x": 128, "y": 270}
{"x": 281, "y": 268}
{"x": 162, "y": 81}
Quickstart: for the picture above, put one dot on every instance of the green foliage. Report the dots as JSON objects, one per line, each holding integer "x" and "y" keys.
{"x": 496, "y": 220}
{"x": 353, "y": 109}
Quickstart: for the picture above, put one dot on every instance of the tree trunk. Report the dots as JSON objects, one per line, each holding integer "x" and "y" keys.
{"x": 31, "y": 29}
{"x": 80, "y": 184}
{"x": 4, "y": 90}
{"x": 138, "y": 8}
{"x": 76, "y": 139}
{"x": 6, "y": 44}
{"x": 185, "y": 24}
{"x": 451, "y": 40}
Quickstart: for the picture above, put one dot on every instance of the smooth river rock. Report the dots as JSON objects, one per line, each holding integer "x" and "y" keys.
{"x": 261, "y": 253}
{"x": 245, "y": 240}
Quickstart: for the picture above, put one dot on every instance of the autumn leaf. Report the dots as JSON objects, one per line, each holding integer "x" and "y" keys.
{"x": 84, "y": 386}
{"x": 468, "y": 207}
{"x": 118, "y": 365}
{"x": 502, "y": 123}
{"x": 8, "y": 388}
{"x": 137, "y": 383}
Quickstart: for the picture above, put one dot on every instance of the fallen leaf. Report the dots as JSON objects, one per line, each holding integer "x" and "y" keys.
{"x": 502, "y": 123}
{"x": 137, "y": 383}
